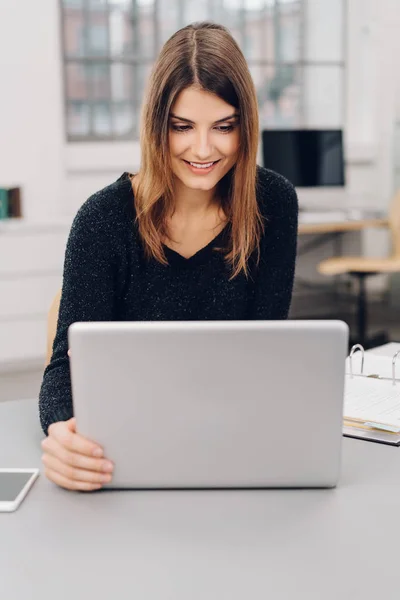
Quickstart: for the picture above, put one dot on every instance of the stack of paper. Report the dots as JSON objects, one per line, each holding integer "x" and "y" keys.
{"x": 371, "y": 401}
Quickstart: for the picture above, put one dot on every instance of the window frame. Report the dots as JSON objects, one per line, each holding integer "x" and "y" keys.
{"x": 142, "y": 62}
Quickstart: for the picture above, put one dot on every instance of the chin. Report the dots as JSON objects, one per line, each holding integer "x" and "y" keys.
{"x": 193, "y": 184}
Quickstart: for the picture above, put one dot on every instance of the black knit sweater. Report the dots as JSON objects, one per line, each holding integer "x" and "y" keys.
{"x": 107, "y": 278}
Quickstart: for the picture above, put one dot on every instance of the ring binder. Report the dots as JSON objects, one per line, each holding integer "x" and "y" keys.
{"x": 372, "y": 398}
{"x": 375, "y": 376}
{"x": 354, "y": 349}
{"x": 396, "y": 354}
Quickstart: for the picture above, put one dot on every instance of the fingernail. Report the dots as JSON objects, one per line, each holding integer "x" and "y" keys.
{"x": 98, "y": 452}
{"x": 108, "y": 466}
{"x": 105, "y": 478}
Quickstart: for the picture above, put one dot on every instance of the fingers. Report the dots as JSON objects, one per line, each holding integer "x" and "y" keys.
{"x": 74, "y": 477}
{"x": 69, "y": 484}
{"x": 72, "y": 461}
{"x": 52, "y": 447}
{"x": 72, "y": 441}
{"x": 69, "y": 352}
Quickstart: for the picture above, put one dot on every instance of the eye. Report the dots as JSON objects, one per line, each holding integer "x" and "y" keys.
{"x": 183, "y": 128}
{"x": 180, "y": 128}
{"x": 225, "y": 128}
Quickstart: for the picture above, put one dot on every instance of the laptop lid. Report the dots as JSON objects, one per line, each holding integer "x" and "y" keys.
{"x": 212, "y": 403}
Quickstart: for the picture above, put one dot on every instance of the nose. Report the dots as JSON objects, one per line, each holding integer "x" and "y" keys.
{"x": 202, "y": 148}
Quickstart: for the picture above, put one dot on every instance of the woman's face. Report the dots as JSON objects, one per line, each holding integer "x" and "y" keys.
{"x": 203, "y": 129}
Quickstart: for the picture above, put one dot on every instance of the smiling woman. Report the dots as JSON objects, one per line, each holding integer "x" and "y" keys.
{"x": 201, "y": 232}
{"x": 200, "y": 108}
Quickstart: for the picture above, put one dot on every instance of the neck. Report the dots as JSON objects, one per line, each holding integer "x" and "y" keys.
{"x": 193, "y": 203}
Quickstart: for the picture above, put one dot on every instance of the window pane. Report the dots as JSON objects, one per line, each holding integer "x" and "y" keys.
{"x": 132, "y": 31}
{"x": 96, "y": 35}
{"x": 146, "y": 34}
{"x": 126, "y": 5}
{"x": 121, "y": 81}
{"x": 229, "y": 14}
{"x": 272, "y": 32}
{"x": 196, "y": 11}
{"x": 258, "y": 40}
{"x": 78, "y": 118}
{"x": 299, "y": 96}
{"x": 324, "y": 26}
{"x": 120, "y": 34}
{"x": 278, "y": 93}
{"x": 101, "y": 118}
{"x": 74, "y": 41}
{"x": 99, "y": 80}
{"x": 72, "y": 3}
{"x": 77, "y": 83}
{"x": 143, "y": 75}
{"x": 123, "y": 113}
{"x": 288, "y": 32}
{"x": 170, "y": 18}
{"x": 100, "y": 5}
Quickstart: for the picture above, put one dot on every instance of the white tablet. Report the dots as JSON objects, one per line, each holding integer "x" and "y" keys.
{"x": 14, "y": 485}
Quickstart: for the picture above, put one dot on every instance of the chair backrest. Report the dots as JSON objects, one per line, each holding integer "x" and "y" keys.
{"x": 394, "y": 223}
{"x": 52, "y": 318}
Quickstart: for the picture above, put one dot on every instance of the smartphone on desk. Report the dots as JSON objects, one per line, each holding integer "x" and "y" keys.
{"x": 14, "y": 486}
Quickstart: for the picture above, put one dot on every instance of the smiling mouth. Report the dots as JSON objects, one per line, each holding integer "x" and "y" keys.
{"x": 202, "y": 165}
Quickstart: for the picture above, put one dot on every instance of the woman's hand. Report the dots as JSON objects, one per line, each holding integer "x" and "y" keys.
{"x": 72, "y": 461}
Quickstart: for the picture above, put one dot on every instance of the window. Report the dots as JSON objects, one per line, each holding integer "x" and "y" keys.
{"x": 294, "y": 49}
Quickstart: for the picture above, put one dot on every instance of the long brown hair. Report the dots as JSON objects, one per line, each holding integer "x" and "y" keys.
{"x": 206, "y": 55}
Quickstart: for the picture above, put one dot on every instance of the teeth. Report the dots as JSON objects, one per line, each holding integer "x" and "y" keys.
{"x": 201, "y": 166}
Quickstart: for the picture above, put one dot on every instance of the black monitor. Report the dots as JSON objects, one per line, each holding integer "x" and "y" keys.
{"x": 307, "y": 157}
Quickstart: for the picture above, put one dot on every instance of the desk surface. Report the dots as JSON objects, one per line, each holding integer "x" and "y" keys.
{"x": 314, "y": 222}
{"x": 192, "y": 545}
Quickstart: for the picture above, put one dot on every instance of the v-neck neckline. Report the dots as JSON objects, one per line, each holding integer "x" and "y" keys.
{"x": 173, "y": 255}
{"x": 199, "y": 255}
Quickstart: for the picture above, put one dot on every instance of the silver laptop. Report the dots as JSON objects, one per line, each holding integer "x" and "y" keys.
{"x": 212, "y": 403}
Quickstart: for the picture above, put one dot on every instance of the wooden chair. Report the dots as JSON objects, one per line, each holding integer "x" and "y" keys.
{"x": 52, "y": 318}
{"x": 362, "y": 267}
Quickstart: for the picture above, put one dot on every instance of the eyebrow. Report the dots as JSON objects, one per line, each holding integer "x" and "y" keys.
{"x": 235, "y": 115}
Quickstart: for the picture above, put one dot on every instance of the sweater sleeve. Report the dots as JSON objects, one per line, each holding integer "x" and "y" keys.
{"x": 278, "y": 249}
{"x": 87, "y": 295}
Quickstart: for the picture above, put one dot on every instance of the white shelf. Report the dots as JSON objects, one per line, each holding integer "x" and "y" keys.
{"x": 18, "y": 226}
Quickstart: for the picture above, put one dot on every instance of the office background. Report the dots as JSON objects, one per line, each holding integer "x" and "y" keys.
{"x": 72, "y": 75}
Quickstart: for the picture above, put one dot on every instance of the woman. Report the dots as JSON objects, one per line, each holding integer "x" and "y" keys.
{"x": 200, "y": 232}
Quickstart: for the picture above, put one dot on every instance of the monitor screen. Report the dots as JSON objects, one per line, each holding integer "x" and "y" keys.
{"x": 307, "y": 157}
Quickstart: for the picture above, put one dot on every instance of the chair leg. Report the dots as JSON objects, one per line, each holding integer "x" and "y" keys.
{"x": 362, "y": 310}
{"x": 362, "y": 316}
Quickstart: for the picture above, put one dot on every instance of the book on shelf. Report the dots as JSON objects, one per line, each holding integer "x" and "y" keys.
{"x": 3, "y": 204}
{"x": 10, "y": 203}
{"x": 372, "y": 397}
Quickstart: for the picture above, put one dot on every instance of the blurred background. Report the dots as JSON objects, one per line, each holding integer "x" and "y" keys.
{"x": 72, "y": 77}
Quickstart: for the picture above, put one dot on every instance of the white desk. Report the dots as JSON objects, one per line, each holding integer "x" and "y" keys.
{"x": 194, "y": 545}
{"x": 339, "y": 221}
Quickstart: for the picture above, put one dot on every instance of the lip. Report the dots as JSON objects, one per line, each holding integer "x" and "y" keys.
{"x": 201, "y": 171}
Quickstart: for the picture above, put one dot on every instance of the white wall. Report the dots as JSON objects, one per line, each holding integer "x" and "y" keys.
{"x": 31, "y": 113}
{"x": 32, "y": 156}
